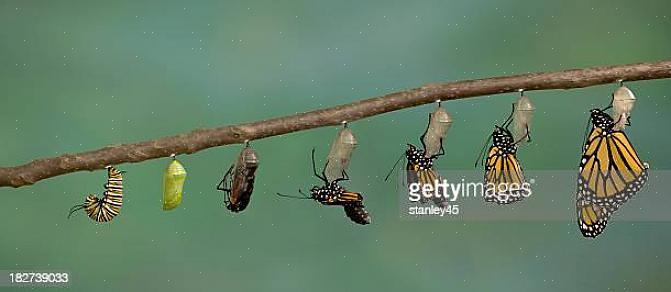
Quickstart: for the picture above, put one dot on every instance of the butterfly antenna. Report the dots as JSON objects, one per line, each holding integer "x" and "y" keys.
{"x": 482, "y": 152}
{"x": 304, "y": 197}
{"x": 509, "y": 119}
{"x": 394, "y": 167}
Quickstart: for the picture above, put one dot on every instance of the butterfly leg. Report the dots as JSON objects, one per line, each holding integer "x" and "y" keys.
{"x": 222, "y": 184}
{"x": 322, "y": 177}
{"x": 344, "y": 177}
{"x": 441, "y": 151}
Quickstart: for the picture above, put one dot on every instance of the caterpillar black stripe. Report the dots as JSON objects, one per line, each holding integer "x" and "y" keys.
{"x": 106, "y": 208}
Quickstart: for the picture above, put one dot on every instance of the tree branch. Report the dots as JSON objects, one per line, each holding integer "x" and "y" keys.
{"x": 200, "y": 139}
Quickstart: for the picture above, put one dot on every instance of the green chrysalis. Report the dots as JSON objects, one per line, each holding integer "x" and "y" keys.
{"x": 173, "y": 185}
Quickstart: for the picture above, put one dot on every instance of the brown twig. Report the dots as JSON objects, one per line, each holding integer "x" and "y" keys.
{"x": 200, "y": 139}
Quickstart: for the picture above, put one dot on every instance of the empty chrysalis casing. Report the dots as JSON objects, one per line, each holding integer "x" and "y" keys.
{"x": 436, "y": 132}
{"x": 623, "y": 104}
{"x": 173, "y": 185}
{"x": 238, "y": 183}
{"x": 522, "y": 116}
{"x": 340, "y": 154}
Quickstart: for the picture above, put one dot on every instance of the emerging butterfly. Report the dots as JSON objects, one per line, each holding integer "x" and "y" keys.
{"x": 106, "y": 208}
{"x": 238, "y": 182}
{"x": 502, "y": 169}
{"x": 332, "y": 194}
{"x": 419, "y": 169}
{"x": 610, "y": 174}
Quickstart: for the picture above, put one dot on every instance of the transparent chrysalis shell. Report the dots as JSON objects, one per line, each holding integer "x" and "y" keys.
{"x": 522, "y": 116}
{"x": 623, "y": 103}
{"x": 340, "y": 154}
{"x": 440, "y": 122}
{"x": 173, "y": 185}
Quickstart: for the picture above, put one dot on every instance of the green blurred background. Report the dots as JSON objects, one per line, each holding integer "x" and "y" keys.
{"x": 79, "y": 75}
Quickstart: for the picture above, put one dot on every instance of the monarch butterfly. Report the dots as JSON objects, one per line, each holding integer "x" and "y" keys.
{"x": 332, "y": 194}
{"x": 419, "y": 167}
{"x": 106, "y": 208}
{"x": 238, "y": 182}
{"x": 610, "y": 174}
{"x": 503, "y": 173}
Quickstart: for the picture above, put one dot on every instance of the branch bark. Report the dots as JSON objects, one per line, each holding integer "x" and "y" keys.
{"x": 200, "y": 139}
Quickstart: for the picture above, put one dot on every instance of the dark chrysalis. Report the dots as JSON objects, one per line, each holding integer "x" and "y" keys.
{"x": 238, "y": 182}
{"x": 332, "y": 194}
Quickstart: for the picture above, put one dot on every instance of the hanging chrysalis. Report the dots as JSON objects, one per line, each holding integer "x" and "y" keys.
{"x": 238, "y": 182}
{"x": 173, "y": 184}
{"x": 522, "y": 115}
{"x": 623, "y": 103}
{"x": 436, "y": 132}
{"x": 341, "y": 153}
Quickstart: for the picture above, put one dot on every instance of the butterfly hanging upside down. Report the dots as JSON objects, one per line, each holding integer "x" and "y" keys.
{"x": 419, "y": 170}
{"x": 610, "y": 174}
{"x": 503, "y": 173}
{"x": 332, "y": 194}
{"x": 106, "y": 208}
